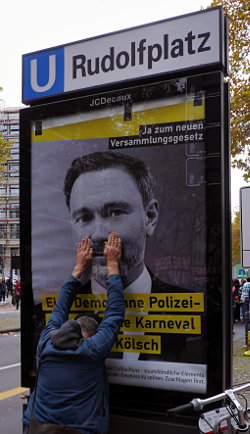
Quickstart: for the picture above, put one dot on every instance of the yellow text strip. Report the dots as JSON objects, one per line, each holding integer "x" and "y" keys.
{"x": 138, "y": 344}
{"x": 190, "y": 324}
{"x": 163, "y": 302}
{"x": 115, "y": 126}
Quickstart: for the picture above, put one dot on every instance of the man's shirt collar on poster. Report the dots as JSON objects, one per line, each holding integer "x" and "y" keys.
{"x": 142, "y": 285}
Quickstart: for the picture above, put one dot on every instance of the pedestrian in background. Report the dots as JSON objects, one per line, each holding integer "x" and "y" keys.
{"x": 245, "y": 300}
{"x": 9, "y": 286}
{"x": 17, "y": 290}
{"x": 2, "y": 289}
{"x": 236, "y": 300}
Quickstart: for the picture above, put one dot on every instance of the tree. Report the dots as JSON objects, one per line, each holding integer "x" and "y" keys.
{"x": 238, "y": 13}
{"x": 236, "y": 238}
{"x": 5, "y": 147}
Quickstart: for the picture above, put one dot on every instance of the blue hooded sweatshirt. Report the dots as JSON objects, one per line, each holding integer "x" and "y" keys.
{"x": 72, "y": 386}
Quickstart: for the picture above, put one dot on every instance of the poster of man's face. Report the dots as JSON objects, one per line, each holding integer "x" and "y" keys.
{"x": 93, "y": 175}
{"x": 110, "y": 191}
{"x": 137, "y": 171}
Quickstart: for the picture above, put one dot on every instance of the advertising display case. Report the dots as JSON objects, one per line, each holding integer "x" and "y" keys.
{"x": 150, "y": 161}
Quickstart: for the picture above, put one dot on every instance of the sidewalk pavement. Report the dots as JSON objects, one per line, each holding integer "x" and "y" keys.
{"x": 10, "y": 318}
{"x": 241, "y": 363}
{"x": 7, "y": 302}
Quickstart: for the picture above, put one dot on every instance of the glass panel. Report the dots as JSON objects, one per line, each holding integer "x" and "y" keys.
{"x": 14, "y": 211}
{"x": 158, "y": 141}
{"x": 14, "y": 151}
{"x": 3, "y": 213}
{"x": 14, "y": 191}
{"x": 2, "y": 191}
{"x": 13, "y": 170}
{"x": 14, "y": 128}
{"x": 3, "y": 230}
{"x": 14, "y": 231}
{"x": 149, "y": 159}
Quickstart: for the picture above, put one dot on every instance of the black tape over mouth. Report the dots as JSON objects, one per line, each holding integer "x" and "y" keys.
{"x": 98, "y": 249}
{"x": 98, "y": 253}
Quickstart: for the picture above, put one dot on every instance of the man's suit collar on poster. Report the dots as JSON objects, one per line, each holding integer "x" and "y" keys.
{"x": 142, "y": 284}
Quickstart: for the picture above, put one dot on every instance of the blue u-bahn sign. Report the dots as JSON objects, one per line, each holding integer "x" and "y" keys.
{"x": 44, "y": 73}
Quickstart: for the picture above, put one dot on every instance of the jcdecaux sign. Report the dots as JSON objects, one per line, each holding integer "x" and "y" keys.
{"x": 188, "y": 41}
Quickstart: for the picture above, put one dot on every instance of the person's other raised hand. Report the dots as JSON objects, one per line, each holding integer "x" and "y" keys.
{"x": 112, "y": 253}
{"x": 83, "y": 258}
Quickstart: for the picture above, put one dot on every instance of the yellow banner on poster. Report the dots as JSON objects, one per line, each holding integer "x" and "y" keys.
{"x": 114, "y": 126}
{"x": 158, "y": 302}
{"x": 185, "y": 324}
{"x": 138, "y": 344}
{"x": 188, "y": 324}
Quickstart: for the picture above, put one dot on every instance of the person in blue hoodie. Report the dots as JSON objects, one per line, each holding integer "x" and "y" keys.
{"x": 71, "y": 393}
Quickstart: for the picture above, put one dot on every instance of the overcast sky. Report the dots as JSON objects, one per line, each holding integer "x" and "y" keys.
{"x": 28, "y": 26}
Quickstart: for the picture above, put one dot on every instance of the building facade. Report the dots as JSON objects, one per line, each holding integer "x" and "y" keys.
{"x": 9, "y": 197}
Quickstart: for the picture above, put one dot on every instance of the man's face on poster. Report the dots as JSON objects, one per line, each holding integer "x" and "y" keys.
{"x": 103, "y": 201}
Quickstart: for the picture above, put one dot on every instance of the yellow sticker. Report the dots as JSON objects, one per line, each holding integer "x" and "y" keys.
{"x": 190, "y": 324}
{"x": 163, "y": 302}
{"x": 115, "y": 126}
{"x": 138, "y": 344}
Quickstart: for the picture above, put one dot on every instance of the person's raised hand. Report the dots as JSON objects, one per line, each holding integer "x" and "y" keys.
{"x": 83, "y": 258}
{"x": 112, "y": 253}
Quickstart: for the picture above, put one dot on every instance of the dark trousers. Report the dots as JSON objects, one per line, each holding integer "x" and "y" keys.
{"x": 17, "y": 301}
{"x": 237, "y": 312}
{"x": 2, "y": 296}
{"x": 37, "y": 427}
{"x": 9, "y": 291}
